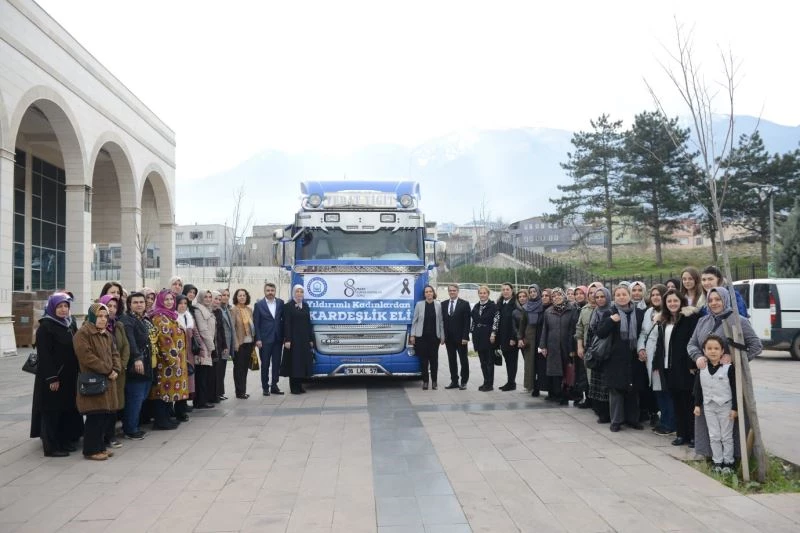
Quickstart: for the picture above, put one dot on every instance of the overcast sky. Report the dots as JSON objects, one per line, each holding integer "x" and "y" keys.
{"x": 233, "y": 78}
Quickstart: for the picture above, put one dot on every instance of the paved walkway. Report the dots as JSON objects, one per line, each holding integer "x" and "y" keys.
{"x": 372, "y": 456}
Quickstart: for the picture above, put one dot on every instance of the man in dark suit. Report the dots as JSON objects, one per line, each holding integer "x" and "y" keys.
{"x": 457, "y": 317}
{"x": 268, "y": 325}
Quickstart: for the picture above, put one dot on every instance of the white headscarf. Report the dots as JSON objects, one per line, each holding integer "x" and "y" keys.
{"x": 294, "y": 289}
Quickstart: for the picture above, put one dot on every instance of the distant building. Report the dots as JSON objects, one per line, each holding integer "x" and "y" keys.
{"x": 203, "y": 245}
{"x": 540, "y": 235}
{"x": 258, "y": 247}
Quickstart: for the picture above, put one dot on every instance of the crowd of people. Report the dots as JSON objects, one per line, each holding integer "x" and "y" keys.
{"x": 140, "y": 357}
{"x": 660, "y": 357}
{"x": 633, "y": 356}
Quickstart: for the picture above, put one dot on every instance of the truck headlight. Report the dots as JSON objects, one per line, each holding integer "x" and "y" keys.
{"x": 315, "y": 200}
{"x": 406, "y": 200}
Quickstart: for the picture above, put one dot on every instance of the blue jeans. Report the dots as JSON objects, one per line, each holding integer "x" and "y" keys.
{"x": 135, "y": 395}
{"x": 666, "y": 408}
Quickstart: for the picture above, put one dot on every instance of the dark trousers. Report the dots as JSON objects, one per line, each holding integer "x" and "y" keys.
{"x": 241, "y": 364}
{"x": 220, "y": 367}
{"x": 602, "y": 410}
{"x": 93, "y": 432}
{"x": 201, "y": 392}
{"x": 295, "y": 385}
{"x": 52, "y": 431}
{"x": 624, "y": 406}
{"x": 428, "y": 353}
{"x": 181, "y": 408}
{"x": 111, "y": 428}
{"x": 486, "y": 358}
{"x": 683, "y": 411}
{"x": 540, "y": 382}
{"x": 212, "y": 381}
{"x": 270, "y": 354}
{"x": 457, "y": 352}
{"x": 556, "y": 386}
{"x": 511, "y": 356}
{"x": 581, "y": 379}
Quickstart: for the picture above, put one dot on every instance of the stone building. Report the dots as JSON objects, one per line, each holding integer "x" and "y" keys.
{"x": 82, "y": 161}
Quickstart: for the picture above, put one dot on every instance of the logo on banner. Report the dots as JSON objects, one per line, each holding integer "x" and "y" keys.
{"x": 405, "y": 290}
{"x": 317, "y": 287}
{"x": 350, "y": 288}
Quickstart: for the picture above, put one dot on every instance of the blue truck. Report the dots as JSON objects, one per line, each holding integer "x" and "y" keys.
{"x": 359, "y": 250}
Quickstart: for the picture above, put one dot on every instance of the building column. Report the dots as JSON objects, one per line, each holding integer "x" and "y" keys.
{"x": 166, "y": 244}
{"x": 132, "y": 247}
{"x": 78, "y": 276}
{"x": 8, "y": 343}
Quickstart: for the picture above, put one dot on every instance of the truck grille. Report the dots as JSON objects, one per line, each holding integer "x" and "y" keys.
{"x": 359, "y": 339}
{"x": 346, "y": 269}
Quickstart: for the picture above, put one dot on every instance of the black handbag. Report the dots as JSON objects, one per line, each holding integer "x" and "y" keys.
{"x": 599, "y": 351}
{"x": 31, "y": 363}
{"x": 498, "y": 357}
{"x": 195, "y": 346}
{"x": 91, "y": 384}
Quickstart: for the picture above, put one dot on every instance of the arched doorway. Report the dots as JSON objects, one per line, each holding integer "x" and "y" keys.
{"x": 158, "y": 221}
{"x": 48, "y": 173}
{"x": 115, "y": 215}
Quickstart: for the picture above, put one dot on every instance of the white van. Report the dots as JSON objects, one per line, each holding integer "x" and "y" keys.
{"x": 774, "y": 307}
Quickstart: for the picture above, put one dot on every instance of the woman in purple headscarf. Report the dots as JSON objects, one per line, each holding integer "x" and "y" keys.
{"x": 172, "y": 376}
{"x": 55, "y": 418}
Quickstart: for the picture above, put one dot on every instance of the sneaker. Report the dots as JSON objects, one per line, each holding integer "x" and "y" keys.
{"x": 660, "y": 430}
{"x": 726, "y": 470}
{"x": 716, "y": 469}
{"x": 139, "y": 435}
{"x": 115, "y": 443}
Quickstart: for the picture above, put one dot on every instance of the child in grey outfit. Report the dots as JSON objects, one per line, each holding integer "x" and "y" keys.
{"x": 715, "y": 393}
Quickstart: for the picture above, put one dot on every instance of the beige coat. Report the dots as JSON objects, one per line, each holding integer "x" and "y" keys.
{"x": 205, "y": 324}
{"x": 95, "y": 351}
{"x": 239, "y": 330}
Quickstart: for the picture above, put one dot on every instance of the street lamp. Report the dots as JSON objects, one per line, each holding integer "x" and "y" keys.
{"x": 764, "y": 192}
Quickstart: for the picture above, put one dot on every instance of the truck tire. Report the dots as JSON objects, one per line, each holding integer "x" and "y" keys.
{"x": 794, "y": 349}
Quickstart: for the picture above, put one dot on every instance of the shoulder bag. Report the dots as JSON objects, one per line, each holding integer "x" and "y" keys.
{"x": 91, "y": 384}
{"x": 599, "y": 351}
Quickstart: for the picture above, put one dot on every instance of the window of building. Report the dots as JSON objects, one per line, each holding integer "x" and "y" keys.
{"x": 698, "y": 241}
{"x": 179, "y": 236}
{"x": 195, "y": 235}
{"x": 19, "y": 221}
{"x": 209, "y": 235}
{"x": 683, "y": 241}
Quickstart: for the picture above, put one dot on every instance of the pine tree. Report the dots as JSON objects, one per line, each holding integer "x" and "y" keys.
{"x": 787, "y": 259}
{"x": 751, "y": 166}
{"x": 656, "y": 161}
{"x": 596, "y": 169}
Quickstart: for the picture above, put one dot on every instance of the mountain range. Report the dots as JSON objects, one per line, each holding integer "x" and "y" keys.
{"x": 505, "y": 174}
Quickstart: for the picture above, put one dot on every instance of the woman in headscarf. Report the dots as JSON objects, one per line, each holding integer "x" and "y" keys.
{"x": 243, "y": 340}
{"x": 581, "y": 385}
{"x": 484, "y": 331}
{"x": 206, "y": 327}
{"x": 625, "y": 372}
{"x": 55, "y": 418}
{"x": 171, "y": 379}
{"x": 213, "y": 300}
{"x": 558, "y": 344}
{"x": 117, "y": 330}
{"x": 638, "y": 293}
{"x": 149, "y": 298}
{"x": 581, "y": 329}
{"x": 646, "y": 347}
{"x": 298, "y": 334}
{"x": 598, "y": 387}
{"x": 176, "y": 284}
{"x": 716, "y": 322}
{"x": 186, "y": 321}
{"x": 530, "y": 353}
{"x": 96, "y": 354}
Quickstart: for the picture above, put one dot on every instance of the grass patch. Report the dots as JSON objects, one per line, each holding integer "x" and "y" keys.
{"x": 782, "y": 476}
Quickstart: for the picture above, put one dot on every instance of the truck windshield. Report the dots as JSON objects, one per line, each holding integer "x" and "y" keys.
{"x": 404, "y": 245}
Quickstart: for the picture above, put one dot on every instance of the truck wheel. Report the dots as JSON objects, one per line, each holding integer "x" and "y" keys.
{"x": 794, "y": 349}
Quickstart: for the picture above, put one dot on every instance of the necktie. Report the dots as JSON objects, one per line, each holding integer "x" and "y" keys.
{"x": 452, "y": 306}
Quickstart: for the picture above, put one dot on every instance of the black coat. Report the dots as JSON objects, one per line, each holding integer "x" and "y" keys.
{"x": 456, "y": 327}
{"x": 298, "y": 361}
{"x": 678, "y": 374}
{"x": 220, "y": 341}
{"x": 482, "y": 324}
{"x": 140, "y": 347}
{"x": 558, "y": 337}
{"x": 623, "y": 370}
{"x": 507, "y": 328}
{"x": 57, "y": 362}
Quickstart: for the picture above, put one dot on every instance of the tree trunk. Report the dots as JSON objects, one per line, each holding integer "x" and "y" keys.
{"x": 609, "y": 247}
{"x": 764, "y": 259}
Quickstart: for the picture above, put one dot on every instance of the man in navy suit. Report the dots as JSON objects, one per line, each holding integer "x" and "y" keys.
{"x": 268, "y": 322}
{"x": 457, "y": 318}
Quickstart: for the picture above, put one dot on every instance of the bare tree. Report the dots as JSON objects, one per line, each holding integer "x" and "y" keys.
{"x": 240, "y": 225}
{"x": 714, "y": 146}
{"x": 144, "y": 237}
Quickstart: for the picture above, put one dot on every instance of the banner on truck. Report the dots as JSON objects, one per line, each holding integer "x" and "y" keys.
{"x": 360, "y": 299}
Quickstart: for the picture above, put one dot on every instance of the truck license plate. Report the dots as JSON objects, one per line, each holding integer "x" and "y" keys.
{"x": 360, "y": 370}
